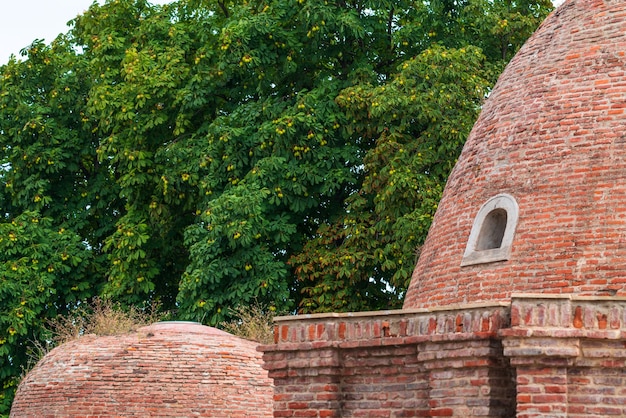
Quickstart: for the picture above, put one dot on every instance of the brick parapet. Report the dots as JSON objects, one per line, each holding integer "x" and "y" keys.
{"x": 569, "y": 355}
{"x": 427, "y": 362}
{"x": 546, "y": 328}
{"x": 362, "y": 329}
{"x": 529, "y": 359}
{"x": 568, "y": 316}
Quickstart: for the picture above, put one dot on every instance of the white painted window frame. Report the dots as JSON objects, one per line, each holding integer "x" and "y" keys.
{"x": 473, "y": 256}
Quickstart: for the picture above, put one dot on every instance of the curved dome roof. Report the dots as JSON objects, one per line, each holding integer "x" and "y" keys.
{"x": 163, "y": 370}
{"x": 550, "y": 141}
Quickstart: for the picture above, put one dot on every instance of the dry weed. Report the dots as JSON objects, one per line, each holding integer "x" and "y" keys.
{"x": 103, "y": 317}
{"x": 252, "y": 322}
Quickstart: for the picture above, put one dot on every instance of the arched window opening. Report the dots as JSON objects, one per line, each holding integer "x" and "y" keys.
{"x": 492, "y": 233}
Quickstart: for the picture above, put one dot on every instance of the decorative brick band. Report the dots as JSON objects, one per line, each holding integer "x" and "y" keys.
{"x": 567, "y": 317}
{"x": 389, "y": 327}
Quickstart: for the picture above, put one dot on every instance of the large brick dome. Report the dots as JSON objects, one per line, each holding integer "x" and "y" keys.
{"x": 537, "y": 200}
{"x": 164, "y": 370}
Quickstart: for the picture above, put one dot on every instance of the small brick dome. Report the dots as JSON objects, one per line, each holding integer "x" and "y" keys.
{"x": 167, "y": 369}
{"x": 551, "y": 144}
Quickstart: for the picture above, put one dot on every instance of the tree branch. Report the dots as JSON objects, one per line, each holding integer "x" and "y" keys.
{"x": 224, "y": 8}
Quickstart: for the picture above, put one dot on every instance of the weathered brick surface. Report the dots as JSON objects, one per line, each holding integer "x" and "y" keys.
{"x": 165, "y": 370}
{"x": 419, "y": 363}
{"x": 553, "y": 135}
{"x": 567, "y": 316}
{"x": 598, "y": 391}
{"x": 390, "y": 327}
{"x": 541, "y": 392}
{"x": 569, "y": 354}
{"x": 540, "y": 356}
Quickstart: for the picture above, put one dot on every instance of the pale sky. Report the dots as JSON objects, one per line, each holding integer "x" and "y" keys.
{"x": 23, "y": 21}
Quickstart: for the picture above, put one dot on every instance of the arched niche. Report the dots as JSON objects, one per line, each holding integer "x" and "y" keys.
{"x": 492, "y": 233}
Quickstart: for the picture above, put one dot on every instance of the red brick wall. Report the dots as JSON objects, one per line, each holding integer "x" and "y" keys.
{"x": 392, "y": 364}
{"x": 541, "y": 392}
{"x": 553, "y": 135}
{"x": 597, "y": 391}
{"x": 166, "y": 370}
{"x": 569, "y": 355}
{"x": 541, "y": 356}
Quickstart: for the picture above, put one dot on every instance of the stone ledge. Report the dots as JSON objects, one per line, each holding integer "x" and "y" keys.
{"x": 556, "y": 332}
{"x": 381, "y": 342}
{"x": 528, "y": 296}
{"x": 541, "y": 347}
{"x": 388, "y": 313}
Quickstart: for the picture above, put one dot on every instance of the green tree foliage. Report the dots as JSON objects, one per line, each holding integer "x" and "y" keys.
{"x": 207, "y": 154}
{"x": 418, "y": 122}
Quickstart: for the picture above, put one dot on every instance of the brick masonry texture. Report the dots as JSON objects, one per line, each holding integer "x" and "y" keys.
{"x": 164, "y": 370}
{"x": 418, "y": 363}
{"x": 569, "y": 355}
{"x": 539, "y": 356}
{"x": 553, "y": 135}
